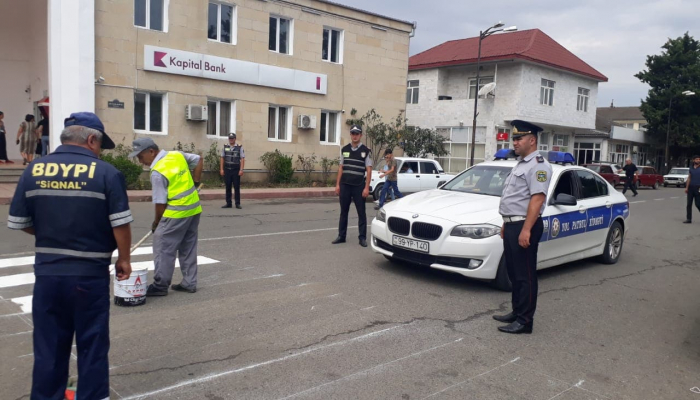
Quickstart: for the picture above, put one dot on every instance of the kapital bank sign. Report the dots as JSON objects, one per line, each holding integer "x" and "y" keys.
{"x": 177, "y": 62}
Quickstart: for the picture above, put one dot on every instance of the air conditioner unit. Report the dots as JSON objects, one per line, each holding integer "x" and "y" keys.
{"x": 194, "y": 112}
{"x": 307, "y": 122}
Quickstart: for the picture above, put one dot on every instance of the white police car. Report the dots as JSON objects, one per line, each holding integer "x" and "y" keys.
{"x": 457, "y": 227}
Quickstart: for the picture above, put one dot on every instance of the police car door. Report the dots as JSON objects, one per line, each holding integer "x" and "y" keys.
{"x": 595, "y": 197}
{"x": 562, "y": 223}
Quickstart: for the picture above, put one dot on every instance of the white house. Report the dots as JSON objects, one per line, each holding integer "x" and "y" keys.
{"x": 537, "y": 80}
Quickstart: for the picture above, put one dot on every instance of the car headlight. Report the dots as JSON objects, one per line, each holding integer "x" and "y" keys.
{"x": 381, "y": 215}
{"x": 482, "y": 231}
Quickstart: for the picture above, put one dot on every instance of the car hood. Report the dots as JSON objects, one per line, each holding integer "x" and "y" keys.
{"x": 458, "y": 207}
{"x": 675, "y": 176}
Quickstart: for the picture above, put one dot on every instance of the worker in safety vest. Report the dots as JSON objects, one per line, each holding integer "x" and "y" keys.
{"x": 176, "y": 223}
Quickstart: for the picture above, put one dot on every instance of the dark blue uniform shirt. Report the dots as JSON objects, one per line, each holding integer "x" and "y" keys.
{"x": 73, "y": 200}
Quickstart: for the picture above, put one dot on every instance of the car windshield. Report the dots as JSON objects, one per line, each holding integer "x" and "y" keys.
{"x": 488, "y": 180}
{"x": 679, "y": 171}
{"x": 594, "y": 168}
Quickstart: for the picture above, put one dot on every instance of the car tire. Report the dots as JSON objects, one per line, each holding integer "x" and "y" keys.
{"x": 656, "y": 185}
{"x": 377, "y": 191}
{"x": 613, "y": 244}
{"x": 502, "y": 282}
{"x": 679, "y": 186}
{"x": 665, "y": 184}
{"x": 391, "y": 259}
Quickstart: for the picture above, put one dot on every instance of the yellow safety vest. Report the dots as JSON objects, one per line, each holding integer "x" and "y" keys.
{"x": 183, "y": 200}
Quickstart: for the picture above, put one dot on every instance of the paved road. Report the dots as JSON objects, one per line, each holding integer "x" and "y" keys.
{"x": 280, "y": 313}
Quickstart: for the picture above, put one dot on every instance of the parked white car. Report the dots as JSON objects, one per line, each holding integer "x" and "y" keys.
{"x": 457, "y": 228}
{"x": 676, "y": 176}
{"x": 414, "y": 175}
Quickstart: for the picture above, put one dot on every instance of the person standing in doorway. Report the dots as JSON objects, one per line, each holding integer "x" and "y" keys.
{"x": 391, "y": 178}
{"x": 26, "y": 138}
{"x": 631, "y": 173}
{"x": 232, "y": 164}
{"x": 42, "y": 130}
{"x": 352, "y": 184}
{"x": 176, "y": 224}
{"x": 521, "y": 207}
{"x": 3, "y": 140}
{"x": 692, "y": 188}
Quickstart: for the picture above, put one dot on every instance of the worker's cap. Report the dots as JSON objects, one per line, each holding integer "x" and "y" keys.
{"x": 89, "y": 120}
{"x": 356, "y": 129}
{"x": 522, "y": 128}
{"x": 232, "y": 135}
{"x": 140, "y": 145}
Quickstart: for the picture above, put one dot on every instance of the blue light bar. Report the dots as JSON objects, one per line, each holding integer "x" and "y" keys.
{"x": 559, "y": 157}
{"x": 504, "y": 154}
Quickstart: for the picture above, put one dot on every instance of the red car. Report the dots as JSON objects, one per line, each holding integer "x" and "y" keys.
{"x": 647, "y": 176}
{"x": 607, "y": 170}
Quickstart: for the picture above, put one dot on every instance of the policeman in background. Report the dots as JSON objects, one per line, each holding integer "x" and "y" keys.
{"x": 352, "y": 186}
{"x": 176, "y": 223}
{"x": 232, "y": 164}
{"x": 522, "y": 203}
{"x": 77, "y": 208}
{"x": 692, "y": 189}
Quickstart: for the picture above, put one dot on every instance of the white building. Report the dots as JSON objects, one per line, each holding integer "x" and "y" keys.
{"x": 537, "y": 80}
{"x": 626, "y": 136}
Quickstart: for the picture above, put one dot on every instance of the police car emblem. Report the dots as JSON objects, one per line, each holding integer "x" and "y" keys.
{"x": 415, "y": 215}
{"x": 363, "y": 154}
{"x": 541, "y": 176}
{"x": 555, "y": 227}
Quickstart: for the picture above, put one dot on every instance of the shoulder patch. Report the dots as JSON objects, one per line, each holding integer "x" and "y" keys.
{"x": 541, "y": 176}
{"x": 540, "y": 159}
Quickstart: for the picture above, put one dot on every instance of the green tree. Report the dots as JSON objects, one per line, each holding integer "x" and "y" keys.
{"x": 378, "y": 135}
{"x": 422, "y": 142}
{"x": 675, "y": 70}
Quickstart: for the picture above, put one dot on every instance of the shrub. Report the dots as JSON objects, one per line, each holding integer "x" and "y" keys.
{"x": 212, "y": 158}
{"x": 187, "y": 148}
{"x": 306, "y": 165}
{"x": 279, "y": 166}
{"x": 130, "y": 169}
{"x": 326, "y": 166}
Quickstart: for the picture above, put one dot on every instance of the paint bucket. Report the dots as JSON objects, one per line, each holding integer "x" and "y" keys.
{"x": 131, "y": 292}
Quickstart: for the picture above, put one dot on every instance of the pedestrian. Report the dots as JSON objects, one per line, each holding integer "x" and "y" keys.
{"x": 522, "y": 204}
{"x": 232, "y": 164}
{"x": 352, "y": 184}
{"x": 26, "y": 138}
{"x": 78, "y": 218}
{"x": 393, "y": 195}
{"x": 177, "y": 211}
{"x": 3, "y": 141}
{"x": 692, "y": 188}
{"x": 631, "y": 173}
{"x": 391, "y": 178}
{"x": 42, "y": 130}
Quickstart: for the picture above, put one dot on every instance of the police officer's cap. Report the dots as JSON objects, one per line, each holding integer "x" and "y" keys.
{"x": 232, "y": 135}
{"x": 89, "y": 120}
{"x": 356, "y": 129}
{"x": 522, "y": 128}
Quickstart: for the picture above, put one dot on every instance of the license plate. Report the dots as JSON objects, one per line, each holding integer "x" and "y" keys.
{"x": 416, "y": 245}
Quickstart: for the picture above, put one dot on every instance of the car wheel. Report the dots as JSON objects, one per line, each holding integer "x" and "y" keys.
{"x": 665, "y": 184}
{"x": 679, "y": 186}
{"x": 613, "y": 244}
{"x": 656, "y": 185}
{"x": 392, "y": 259}
{"x": 502, "y": 282}
{"x": 377, "y": 191}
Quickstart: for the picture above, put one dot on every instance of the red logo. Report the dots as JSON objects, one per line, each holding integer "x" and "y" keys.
{"x": 138, "y": 280}
{"x": 502, "y": 136}
{"x": 158, "y": 59}
{"x": 318, "y": 83}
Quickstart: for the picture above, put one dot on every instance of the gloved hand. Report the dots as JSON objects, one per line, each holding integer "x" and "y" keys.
{"x": 154, "y": 226}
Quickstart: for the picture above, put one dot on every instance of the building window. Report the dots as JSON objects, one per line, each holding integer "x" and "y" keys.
{"x": 587, "y": 153}
{"x": 560, "y": 143}
{"x": 222, "y": 23}
{"x": 222, "y": 118}
{"x": 459, "y": 147}
{"x": 547, "y": 93}
{"x": 412, "y": 92}
{"x": 150, "y": 14}
{"x": 330, "y": 126}
{"x": 281, "y": 35}
{"x": 482, "y": 81}
{"x": 332, "y": 49}
{"x": 150, "y": 112}
{"x": 619, "y": 153}
{"x": 503, "y": 139}
{"x": 278, "y": 125}
{"x": 543, "y": 141}
{"x": 582, "y": 100}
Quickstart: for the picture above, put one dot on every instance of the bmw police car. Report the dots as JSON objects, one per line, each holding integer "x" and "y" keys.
{"x": 456, "y": 228}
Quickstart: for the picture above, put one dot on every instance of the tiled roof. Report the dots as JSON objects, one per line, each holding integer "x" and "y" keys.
{"x": 530, "y": 45}
{"x": 621, "y": 113}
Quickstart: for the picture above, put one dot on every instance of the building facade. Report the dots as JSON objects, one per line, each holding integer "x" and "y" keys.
{"x": 536, "y": 80}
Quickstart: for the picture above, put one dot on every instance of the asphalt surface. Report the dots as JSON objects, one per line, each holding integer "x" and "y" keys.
{"x": 281, "y": 313}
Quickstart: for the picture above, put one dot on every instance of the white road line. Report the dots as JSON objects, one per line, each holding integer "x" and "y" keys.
{"x": 659, "y": 199}
{"x": 209, "y": 377}
{"x": 24, "y": 302}
{"x": 473, "y": 377}
{"x": 19, "y": 261}
{"x": 677, "y": 197}
{"x": 17, "y": 280}
{"x": 635, "y": 202}
{"x": 273, "y": 234}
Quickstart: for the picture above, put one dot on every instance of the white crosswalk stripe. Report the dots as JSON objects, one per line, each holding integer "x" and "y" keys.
{"x": 27, "y": 278}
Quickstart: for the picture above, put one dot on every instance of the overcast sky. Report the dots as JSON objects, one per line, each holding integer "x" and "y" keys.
{"x": 613, "y": 36}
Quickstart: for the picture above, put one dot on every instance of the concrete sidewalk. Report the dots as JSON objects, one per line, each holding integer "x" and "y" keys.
{"x": 7, "y": 190}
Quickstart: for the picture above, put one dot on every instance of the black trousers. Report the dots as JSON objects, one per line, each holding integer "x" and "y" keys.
{"x": 630, "y": 185}
{"x": 521, "y": 264}
{"x": 693, "y": 195}
{"x": 3, "y": 148}
{"x": 352, "y": 194}
{"x": 231, "y": 178}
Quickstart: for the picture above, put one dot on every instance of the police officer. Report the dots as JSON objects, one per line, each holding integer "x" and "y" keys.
{"x": 177, "y": 208}
{"x": 692, "y": 189}
{"x": 232, "y": 164}
{"x": 352, "y": 186}
{"x": 522, "y": 203}
{"x": 77, "y": 208}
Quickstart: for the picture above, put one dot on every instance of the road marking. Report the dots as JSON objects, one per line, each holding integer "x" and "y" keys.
{"x": 659, "y": 199}
{"x": 677, "y": 197}
{"x": 635, "y": 202}
{"x": 209, "y": 377}
{"x": 24, "y": 302}
{"x": 273, "y": 234}
{"x": 19, "y": 261}
{"x": 473, "y": 377}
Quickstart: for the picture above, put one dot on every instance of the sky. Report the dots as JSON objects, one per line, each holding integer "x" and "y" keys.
{"x": 613, "y": 36}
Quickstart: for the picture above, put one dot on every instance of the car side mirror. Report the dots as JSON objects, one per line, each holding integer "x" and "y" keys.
{"x": 564, "y": 199}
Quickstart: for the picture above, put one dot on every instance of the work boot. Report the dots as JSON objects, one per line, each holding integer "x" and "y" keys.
{"x": 227, "y": 206}
{"x": 181, "y": 288}
{"x": 153, "y": 291}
